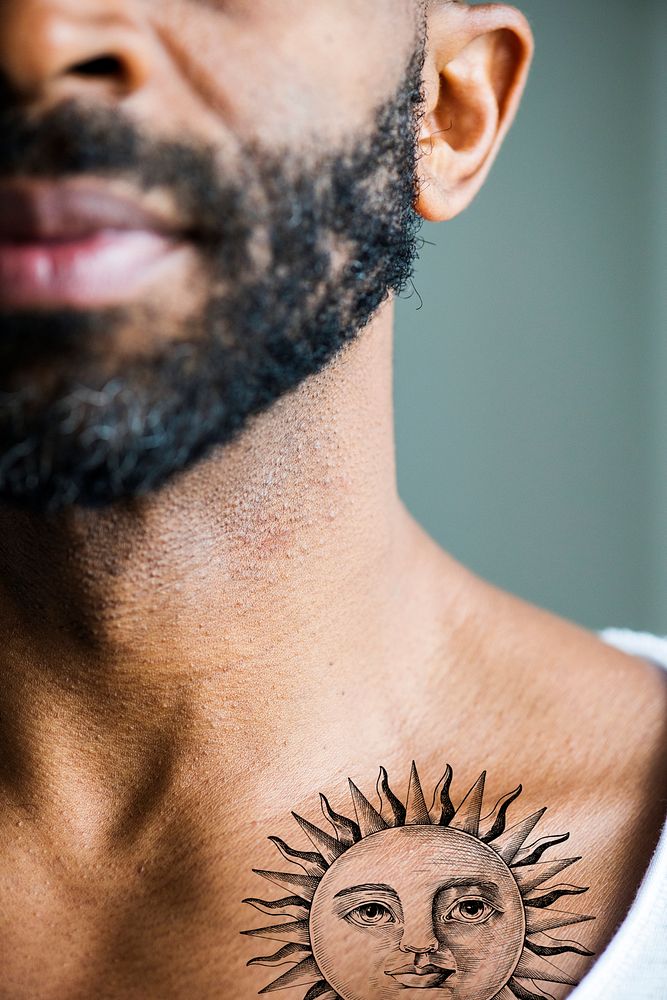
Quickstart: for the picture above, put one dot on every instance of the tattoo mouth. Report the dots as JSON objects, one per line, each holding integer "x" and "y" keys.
{"x": 424, "y": 977}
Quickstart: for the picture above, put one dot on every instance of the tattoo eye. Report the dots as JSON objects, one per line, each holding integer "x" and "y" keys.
{"x": 470, "y": 911}
{"x": 371, "y": 915}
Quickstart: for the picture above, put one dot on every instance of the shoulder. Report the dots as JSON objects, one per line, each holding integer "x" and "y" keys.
{"x": 581, "y": 721}
{"x": 585, "y": 712}
{"x": 541, "y": 649}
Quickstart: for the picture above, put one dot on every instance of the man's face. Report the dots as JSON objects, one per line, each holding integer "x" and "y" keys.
{"x": 200, "y": 203}
{"x": 416, "y": 913}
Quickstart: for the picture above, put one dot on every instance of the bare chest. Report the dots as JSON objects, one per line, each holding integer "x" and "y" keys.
{"x": 373, "y": 890}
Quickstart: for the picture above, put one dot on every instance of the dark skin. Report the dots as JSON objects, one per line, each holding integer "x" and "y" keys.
{"x": 181, "y": 671}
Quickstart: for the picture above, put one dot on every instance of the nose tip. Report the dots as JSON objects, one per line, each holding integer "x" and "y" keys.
{"x": 423, "y": 948}
{"x": 65, "y": 49}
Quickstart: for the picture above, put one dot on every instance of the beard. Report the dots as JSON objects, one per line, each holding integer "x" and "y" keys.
{"x": 295, "y": 261}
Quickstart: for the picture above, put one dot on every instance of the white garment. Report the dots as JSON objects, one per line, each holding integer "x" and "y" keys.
{"x": 634, "y": 966}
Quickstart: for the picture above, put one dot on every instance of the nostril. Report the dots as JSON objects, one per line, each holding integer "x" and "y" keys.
{"x": 101, "y": 66}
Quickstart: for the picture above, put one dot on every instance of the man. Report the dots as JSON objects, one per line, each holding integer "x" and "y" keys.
{"x": 214, "y": 606}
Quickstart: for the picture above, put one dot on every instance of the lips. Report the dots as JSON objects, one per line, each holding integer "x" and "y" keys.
{"x": 427, "y": 977}
{"x": 59, "y": 213}
{"x": 75, "y": 245}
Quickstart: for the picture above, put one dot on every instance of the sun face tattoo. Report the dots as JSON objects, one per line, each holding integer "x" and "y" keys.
{"x": 405, "y": 899}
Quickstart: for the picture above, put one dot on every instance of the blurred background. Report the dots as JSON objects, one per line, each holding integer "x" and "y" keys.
{"x": 531, "y": 387}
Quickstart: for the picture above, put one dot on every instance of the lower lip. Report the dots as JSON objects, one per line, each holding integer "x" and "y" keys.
{"x": 430, "y": 982}
{"x": 106, "y": 268}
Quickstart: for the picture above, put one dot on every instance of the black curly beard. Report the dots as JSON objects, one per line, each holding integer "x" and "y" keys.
{"x": 341, "y": 236}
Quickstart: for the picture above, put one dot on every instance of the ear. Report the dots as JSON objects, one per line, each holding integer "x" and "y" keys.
{"x": 476, "y": 67}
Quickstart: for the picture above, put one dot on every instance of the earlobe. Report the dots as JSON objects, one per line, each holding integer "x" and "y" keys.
{"x": 475, "y": 72}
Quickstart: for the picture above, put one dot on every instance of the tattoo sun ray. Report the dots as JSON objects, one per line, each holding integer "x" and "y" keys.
{"x": 529, "y": 873}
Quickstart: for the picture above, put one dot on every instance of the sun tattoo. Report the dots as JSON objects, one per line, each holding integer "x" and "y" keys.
{"x": 405, "y": 899}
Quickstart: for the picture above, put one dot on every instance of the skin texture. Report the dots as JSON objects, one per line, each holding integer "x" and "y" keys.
{"x": 180, "y": 670}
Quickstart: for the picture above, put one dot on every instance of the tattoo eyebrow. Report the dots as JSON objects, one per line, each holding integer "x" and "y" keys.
{"x": 367, "y": 887}
{"x": 490, "y": 888}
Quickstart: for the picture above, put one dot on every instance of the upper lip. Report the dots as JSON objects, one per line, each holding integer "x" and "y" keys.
{"x": 52, "y": 212}
{"x": 421, "y": 970}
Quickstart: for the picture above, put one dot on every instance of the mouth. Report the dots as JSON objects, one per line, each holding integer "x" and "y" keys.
{"x": 427, "y": 977}
{"x": 79, "y": 246}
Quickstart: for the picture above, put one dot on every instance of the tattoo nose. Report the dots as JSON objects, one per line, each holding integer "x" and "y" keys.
{"x": 422, "y": 946}
{"x": 419, "y": 936}
{"x": 428, "y": 950}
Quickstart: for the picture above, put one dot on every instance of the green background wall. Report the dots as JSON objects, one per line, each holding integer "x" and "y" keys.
{"x": 531, "y": 388}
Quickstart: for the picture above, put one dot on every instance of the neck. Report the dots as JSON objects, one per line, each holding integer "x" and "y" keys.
{"x": 274, "y": 560}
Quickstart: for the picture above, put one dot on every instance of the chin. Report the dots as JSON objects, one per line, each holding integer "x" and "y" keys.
{"x": 393, "y": 990}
